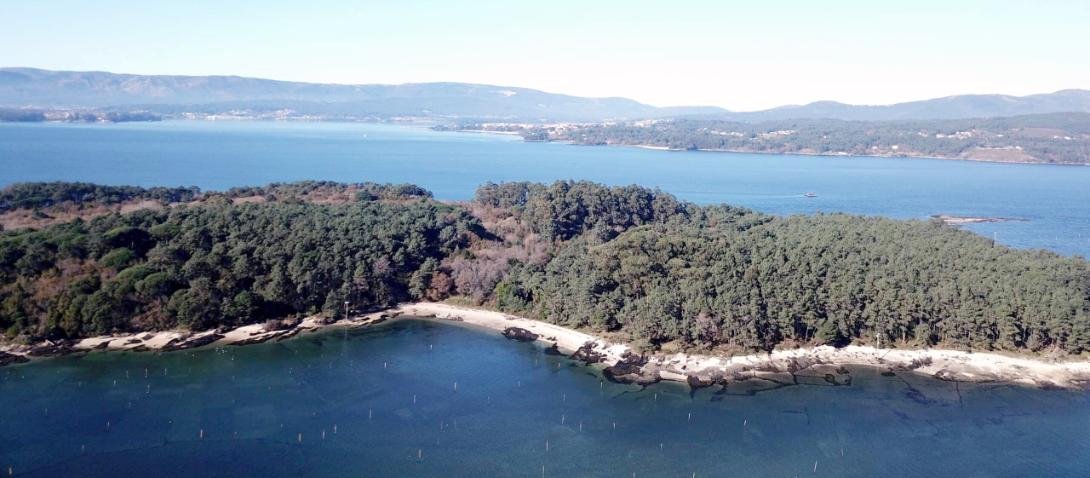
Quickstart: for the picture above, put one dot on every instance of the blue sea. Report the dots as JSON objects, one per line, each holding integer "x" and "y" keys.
{"x": 1051, "y": 204}
{"x": 382, "y": 402}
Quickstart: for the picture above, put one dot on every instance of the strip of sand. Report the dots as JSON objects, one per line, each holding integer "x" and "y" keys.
{"x": 621, "y": 362}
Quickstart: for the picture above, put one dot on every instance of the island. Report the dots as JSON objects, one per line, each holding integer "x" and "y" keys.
{"x": 648, "y": 286}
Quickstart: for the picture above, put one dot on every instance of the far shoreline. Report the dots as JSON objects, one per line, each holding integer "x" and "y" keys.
{"x": 428, "y": 126}
{"x": 622, "y": 363}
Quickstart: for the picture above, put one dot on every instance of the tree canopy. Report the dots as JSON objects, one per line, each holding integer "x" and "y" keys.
{"x": 625, "y": 260}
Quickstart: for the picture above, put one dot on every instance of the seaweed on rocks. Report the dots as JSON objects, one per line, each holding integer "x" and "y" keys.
{"x": 192, "y": 342}
{"x": 587, "y": 354}
{"x": 8, "y": 359}
{"x": 697, "y": 382}
{"x": 260, "y": 338}
{"x": 519, "y": 334}
{"x": 49, "y": 349}
{"x": 629, "y": 369}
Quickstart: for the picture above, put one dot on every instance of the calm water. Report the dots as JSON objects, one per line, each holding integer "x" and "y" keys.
{"x": 263, "y": 410}
{"x": 1054, "y": 201}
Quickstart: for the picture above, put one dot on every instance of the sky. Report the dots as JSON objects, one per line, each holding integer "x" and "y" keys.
{"x": 737, "y": 55}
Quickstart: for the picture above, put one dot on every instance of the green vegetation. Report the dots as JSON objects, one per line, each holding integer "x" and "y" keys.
{"x": 221, "y": 264}
{"x": 1062, "y": 138}
{"x": 44, "y": 195}
{"x": 623, "y": 260}
{"x": 721, "y": 275}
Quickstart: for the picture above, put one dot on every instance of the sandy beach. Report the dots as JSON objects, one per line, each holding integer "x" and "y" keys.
{"x": 619, "y": 361}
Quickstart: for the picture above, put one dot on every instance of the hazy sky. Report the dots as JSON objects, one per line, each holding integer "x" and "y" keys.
{"x": 738, "y": 55}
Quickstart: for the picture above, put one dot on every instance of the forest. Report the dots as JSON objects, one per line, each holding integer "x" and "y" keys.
{"x": 1060, "y": 138}
{"x": 630, "y": 262}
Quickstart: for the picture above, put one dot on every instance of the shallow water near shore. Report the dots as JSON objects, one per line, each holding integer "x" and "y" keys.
{"x": 383, "y": 402}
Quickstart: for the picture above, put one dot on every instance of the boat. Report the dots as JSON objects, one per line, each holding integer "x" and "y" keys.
{"x": 810, "y": 195}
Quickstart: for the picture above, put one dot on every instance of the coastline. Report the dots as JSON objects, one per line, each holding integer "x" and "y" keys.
{"x": 821, "y": 155}
{"x": 621, "y": 363}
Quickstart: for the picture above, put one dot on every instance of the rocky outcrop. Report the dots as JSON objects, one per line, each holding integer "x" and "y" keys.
{"x": 9, "y": 359}
{"x": 630, "y": 369}
{"x": 47, "y": 349}
{"x": 588, "y": 355}
{"x": 182, "y": 343}
{"x": 519, "y": 334}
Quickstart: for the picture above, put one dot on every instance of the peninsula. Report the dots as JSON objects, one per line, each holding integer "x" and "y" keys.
{"x": 659, "y": 288}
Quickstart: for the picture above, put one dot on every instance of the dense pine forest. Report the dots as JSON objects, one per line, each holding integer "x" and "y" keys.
{"x": 627, "y": 261}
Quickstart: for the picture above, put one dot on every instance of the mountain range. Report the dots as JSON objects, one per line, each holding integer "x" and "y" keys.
{"x": 175, "y": 95}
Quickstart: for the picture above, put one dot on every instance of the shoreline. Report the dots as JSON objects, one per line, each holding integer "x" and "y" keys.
{"x": 819, "y": 155}
{"x": 622, "y": 364}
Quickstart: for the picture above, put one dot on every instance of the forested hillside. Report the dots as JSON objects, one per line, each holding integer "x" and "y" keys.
{"x": 641, "y": 263}
{"x": 221, "y": 264}
{"x": 628, "y": 261}
{"x": 1061, "y": 138}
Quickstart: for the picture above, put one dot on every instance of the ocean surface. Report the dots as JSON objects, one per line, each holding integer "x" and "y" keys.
{"x": 1050, "y": 204}
{"x": 416, "y": 398}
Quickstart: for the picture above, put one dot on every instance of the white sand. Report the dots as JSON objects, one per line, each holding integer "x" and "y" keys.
{"x": 566, "y": 340}
{"x": 945, "y": 364}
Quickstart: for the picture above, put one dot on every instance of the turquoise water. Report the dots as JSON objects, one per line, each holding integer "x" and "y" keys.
{"x": 386, "y": 402}
{"x": 1053, "y": 201}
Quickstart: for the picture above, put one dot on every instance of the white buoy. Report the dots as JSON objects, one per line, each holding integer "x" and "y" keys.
{"x": 202, "y": 434}
{"x": 323, "y": 434}
{"x": 690, "y": 416}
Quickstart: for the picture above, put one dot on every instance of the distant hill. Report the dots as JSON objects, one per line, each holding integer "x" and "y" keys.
{"x": 28, "y": 87}
{"x": 950, "y": 107}
{"x": 207, "y": 95}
